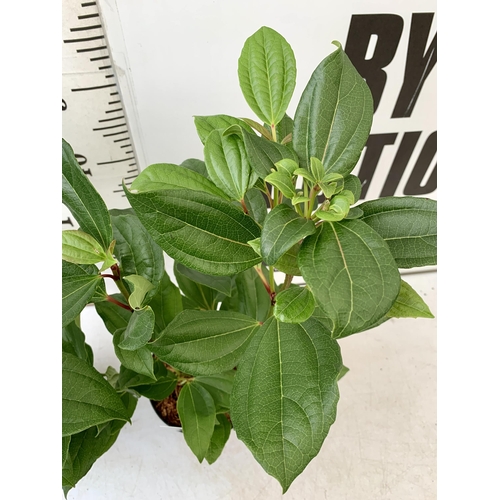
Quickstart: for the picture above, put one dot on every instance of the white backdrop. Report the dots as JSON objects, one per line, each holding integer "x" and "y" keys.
{"x": 174, "y": 60}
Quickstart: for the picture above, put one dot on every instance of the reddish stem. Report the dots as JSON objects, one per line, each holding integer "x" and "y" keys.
{"x": 118, "y": 303}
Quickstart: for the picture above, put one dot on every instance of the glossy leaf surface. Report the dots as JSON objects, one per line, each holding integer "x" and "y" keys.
{"x": 81, "y": 248}
{"x": 206, "y": 124}
{"x": 294, "y": 305}
{"x": 139, "y": 360}
{"x": 139, "y": 330}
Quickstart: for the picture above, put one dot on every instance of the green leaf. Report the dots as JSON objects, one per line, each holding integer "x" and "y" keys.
{"x": 282, "y": 181}
{"x": 262, "y": 129}
{"x": 351, "y": 273}
{"x": 354, "y": 213}
{"x": 222, "y": 431}
{"x": 353, "y": 184}
{"x": 282, "y": 229}
{"x": 197, "y": 414}
{"x": 81, "y": 248}
{"x": 139, "y": 361}
{"x": 253, "y": 298}
{"x": 113, "y": 316}
{"x": 87, "y": 398}
{"x": 256, "y": 205}
{"x": 263, "y": 154}
{"x": 204, "y": 342}
{"x": 222, "y": 284}
{"x": 409, "y": 304}
{"x": 166, "y": 303}
{"x": 267, "y": 71}
{"x": 285, "y": 395}
{"x": 287, "y": 263}
{"x": 227, "y": 164}
{"x": 334, "y": 115}
{"x": 201, "y": 296}
{"x": 206, "y": 124}
{"x": 284, "y": 128}
{"x": 86, "y": 447}
{"x": 161, "y": 176}
{"x": 195, "y": 165}
{"x": 294, "y": 305}
{"x": 219, "y": 386}
{"x": 139, "y": 330}
{"x": 202, "y": 232}
{"x": 343, "y": 372}
{"x": 136, "y": 250}
{"x": 140, "y": 286}
{"x": 82, "y": 199}
{"x": 317, "y": 169}
{"x": 162, "y": 388}
{"x": 408, "y": 225}
{"x": 73, "y": 341}
{"x": 79, "y": 281}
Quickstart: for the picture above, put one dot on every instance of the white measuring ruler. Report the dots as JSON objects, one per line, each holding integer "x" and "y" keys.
{"x": 94, "y": 120}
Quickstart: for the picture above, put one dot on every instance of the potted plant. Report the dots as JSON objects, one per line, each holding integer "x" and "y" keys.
{"x": 275, "y": 261}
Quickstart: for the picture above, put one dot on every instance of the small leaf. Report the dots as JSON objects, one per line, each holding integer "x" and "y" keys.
{"x": 283, "y": 182}
{"x": 206, "y": 124}
{"x": 287, "y": 263}
{"x": 87, "y": 398}
{"x": 222, "y": 431}
{"x": 168, "y": 176}
{"x": 196, "y": 165}
{"x": 81, "y": 248}
{"x": 139, "y": 361}
{"x": 141, "y": 286}
{"x": 353, "y": 184}
{"x": 267, "y": 71}
{"x": 159, "y": 390}
{"x": 256, "y": 205}
{"x": 253, "y": 298}
{"x": 306, "y": 174}
{"x": 354, "y": 213}
{"x": 343, "y": 372}
{"x": 204, "y": 342}
{"x": 259, "y": 128}
{"x": 196, "y": 410}
{"x": 317, "y": 169}
{"x": 227, "y": 164}
{"x": 79, "y": 282}
{"x": 288, "y": 165}
{"x": 282, "y": 229}
{"x": 139, "y": 330}
{"x": 83, "y": 200}
{"x": 255, "y": 244}
{"x": 409, "y": 304}
{"x": 202, "y": 232}
{"x": 408, "y": 225}
{"x": 294, "y": 305}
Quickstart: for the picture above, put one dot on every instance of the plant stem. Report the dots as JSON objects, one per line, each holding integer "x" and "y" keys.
{"x": 314, "y": 192}
{"x": 245, "y": 209}
{"x": 258, "y": 270}
{"x": 273, "y": 131}
{"x": 271, "y": 278}
{"x": 119, "y": 282}
{"x": 288, "y": 281}
{"x": 118, "y": 303}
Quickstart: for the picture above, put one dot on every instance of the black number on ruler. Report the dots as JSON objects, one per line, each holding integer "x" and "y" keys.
{"x": 64, "y": 105}
{"x": 68, "y": 221}
{"x": 81, "y": 159}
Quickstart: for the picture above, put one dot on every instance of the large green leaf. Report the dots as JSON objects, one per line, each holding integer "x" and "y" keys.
{"x": 227, "y": 164}
{"x": 201, "y": 231}
{"x": 81, "y": 248}
{"x": 82, "y": 199}
{"x": 197, "y": 413}
{"x": 161, "y": 176}
{"x": 73, "y": 342}
{"x": 219, "y": 386}
{"x": 267, "y": 71}
{"x": 351, "y": 273}
{"x": 206, "y": 124}
{"x": 87, "y": 398}
{"x": 198, "y": 295}
{"x": 84, "y": 448}
{"x": 79, "y": 282}
{"x": 294, "y": 305}
{"x": 285, "y": 395}
{"x": 282, "y": 229}
{"x": 196, "y": 165}
{"x": 219, "y": 283}
{"x": 166, "y": 303}
{"x": 135, "y": 249}
{"x": 334, "y": 115}
{"x": 222, "y": 431}
{"x": 262, "y": 153}
{"x": 408, "y": 225}
{"x": 409, "y": 304}
{"x": 204, "y": 342}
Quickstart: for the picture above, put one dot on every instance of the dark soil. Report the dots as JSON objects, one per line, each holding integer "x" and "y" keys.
{"x": 167, "y": 409}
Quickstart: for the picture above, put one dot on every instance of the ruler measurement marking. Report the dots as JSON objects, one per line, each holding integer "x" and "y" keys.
{"x": 88, "y": 39}
{"x": 88, "y": 4}
{"x": 113, "y": 102}
{"x": 111, "y": 126}
{"x": 94, "y": 88}
{"x": 113, "y": 110}
{"x": 125, "y": 139}
{"x": 129, "y": 152}
{"x": 111, "y": 119}
{"x": 88, "y": 16}
{"x": 130, "y": 171}
{"x": 130, "y": 177}
{"x": 115, "y": 161}
{"x": 86, "y": 28}
{"x": 99, "y": 58}
{"x": 117, "y": 133}
{"x": 126, "y": 146}
{"x": 132, "y": 164}
{"x": 114, "y": 93}
{"x": 105, "y": 67}
{"x": 110, "y": 76}
{"x": 103, "y": 47}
